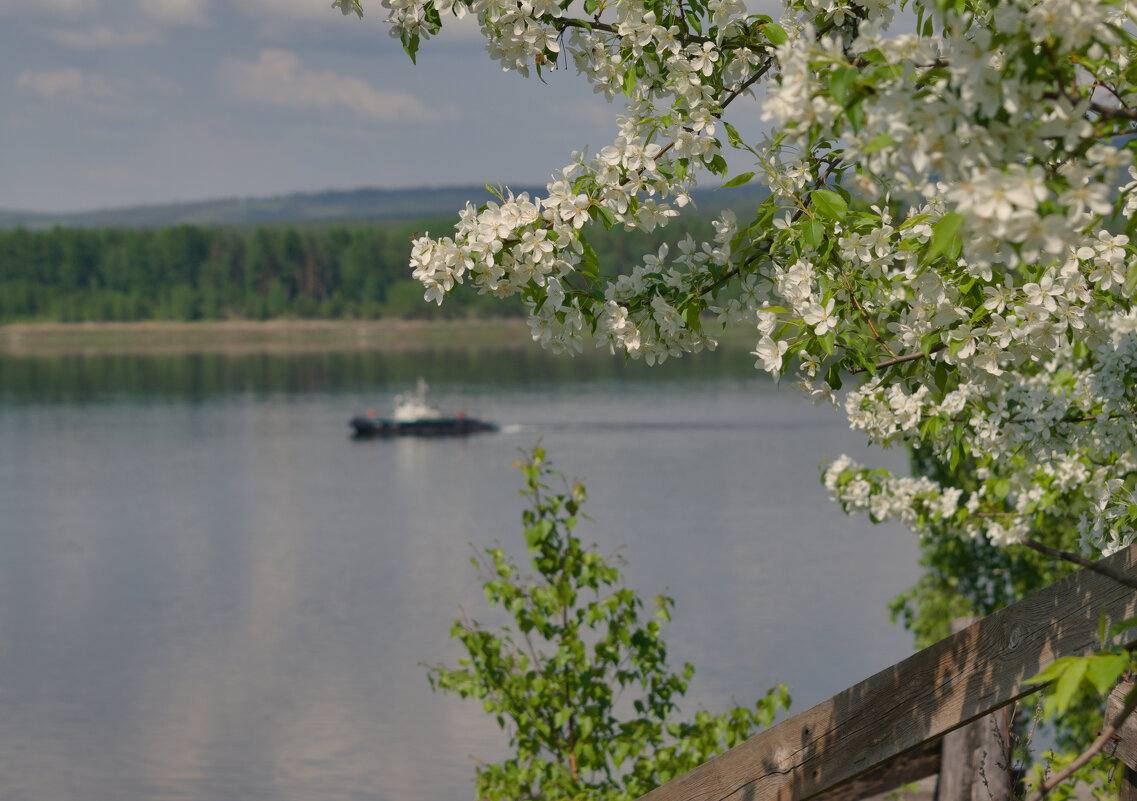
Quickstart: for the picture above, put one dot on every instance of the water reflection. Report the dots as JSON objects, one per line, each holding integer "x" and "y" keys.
{"x": 86, "y": 377}
{"x": 208, "y": 592}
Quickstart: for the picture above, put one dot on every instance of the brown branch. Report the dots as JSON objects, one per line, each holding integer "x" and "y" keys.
{"x": 908, "y": 357}
{"x": 561, "y": 23}
{"x": 1098, "y": 82}
{"x": 754, "y": 257}
{"x": 868, "y": 319}
{"x": 1113, "y": 112}
{"x": 729, "y": 274}
{"x": 762, "y": 71}
{"x": 1081, "y": 561}
{"x": 1086, "y": 418}
{"x": 1107, "y": 734}
{"x": 747, "y": 84}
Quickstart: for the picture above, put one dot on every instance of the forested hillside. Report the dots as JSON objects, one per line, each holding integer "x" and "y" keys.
{"x": 329, "y": 206}
{"x": 201, "y": 273}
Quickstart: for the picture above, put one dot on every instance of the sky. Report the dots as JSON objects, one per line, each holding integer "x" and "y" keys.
{"x": 107, "y": 103}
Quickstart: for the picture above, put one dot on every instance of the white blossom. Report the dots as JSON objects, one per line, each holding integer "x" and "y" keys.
{"x": 950, "y": 243}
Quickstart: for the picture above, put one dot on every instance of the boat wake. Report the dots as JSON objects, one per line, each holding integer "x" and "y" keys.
{"x": 645, "y": 425}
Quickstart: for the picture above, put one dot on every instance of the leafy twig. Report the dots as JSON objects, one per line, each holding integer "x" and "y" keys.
{"x": 1106, "y": 735}
{"x": 1069, "y": 556}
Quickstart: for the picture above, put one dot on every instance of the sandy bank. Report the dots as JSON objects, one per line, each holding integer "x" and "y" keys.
{"x": 242, "y": 336}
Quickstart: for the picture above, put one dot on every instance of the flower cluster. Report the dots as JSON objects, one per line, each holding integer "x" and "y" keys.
{"x": 948, "y": 226}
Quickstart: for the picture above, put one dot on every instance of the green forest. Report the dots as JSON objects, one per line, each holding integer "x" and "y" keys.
{"x": 189, "y": 272}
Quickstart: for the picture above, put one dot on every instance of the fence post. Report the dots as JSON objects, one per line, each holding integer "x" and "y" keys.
{"x": 915, "y": 702}
{"x": 1124, "y": 746}
{"x": 976, "y": 757}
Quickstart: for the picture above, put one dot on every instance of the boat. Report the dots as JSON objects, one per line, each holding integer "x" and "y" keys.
{"x": 414, "y": 417}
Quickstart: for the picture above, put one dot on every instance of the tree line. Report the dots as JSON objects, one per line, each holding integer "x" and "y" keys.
{"x": 189, "y": 272}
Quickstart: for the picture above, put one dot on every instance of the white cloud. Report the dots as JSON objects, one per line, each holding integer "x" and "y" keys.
{"x": 279, "y": 79}
{"x": 273, "y": 12}
{"x": 66, "y": 84}
{"x": 459, "y": 30}
{"x": 268, "y": 10}
{"x": 55, "y": 8}
{"x": 178, "y": 12}
{"x": 104, "y": 37}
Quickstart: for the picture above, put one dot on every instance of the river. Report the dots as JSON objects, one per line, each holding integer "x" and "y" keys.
{"x": 208, "y": 592}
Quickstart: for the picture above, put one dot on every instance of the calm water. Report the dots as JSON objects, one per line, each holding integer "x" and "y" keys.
{"x": 207, "y": 592}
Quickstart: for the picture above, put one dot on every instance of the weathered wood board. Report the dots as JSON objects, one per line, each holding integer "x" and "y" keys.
{"x": 1124, "y": 747}
{"x": 918, "y": 700}
{"x": 919, "y": 763}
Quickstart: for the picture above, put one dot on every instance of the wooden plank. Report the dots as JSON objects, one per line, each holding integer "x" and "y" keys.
{"x": 919, "y": 763}
{"x": 1128, "y": 785}
{"x": 975, "y": 756}
{"x": 1125, "y": 746}
{"x": 975, "y": 761}
{"x": 918, "y": 700}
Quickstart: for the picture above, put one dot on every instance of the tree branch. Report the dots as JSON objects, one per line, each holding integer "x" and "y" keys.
{"x": 867, "y": 317}
{"x": 1077, "y": 559}
{"x": 1107, "y": 734}
{"x": 908, "y": 357}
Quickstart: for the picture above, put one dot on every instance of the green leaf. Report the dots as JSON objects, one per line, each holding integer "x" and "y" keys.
{"x": 775, "y": 34}
{"x": 929, "y": 341}
{"x": 1131, "y": 279}
{"x": 717, "y": 165}
{"x": 881, "y": 141}
{"x": 607, "y": 218}
{"x": 814, "y": 231}
{"x": 833, "y": 376}
{"x": 943, "y": 234}
{"x": 856, "y": 115}
{"x": 829, "y": 203}
{"x": 827, "y": 342}
{"x": 410, "y": 44}
{"x": 940, "y": 376}
{"x": 1052, "y": 671}
{"x": 691, "y": 316}
{"x": 1067, "y": 684}
{"x": 1105, "y": 669}
{"x": 732, "y": 134}
{"x": 588, "y": 258}
{"x": 630, "y": 81}
{"x": 839, "y": 84}
{"x": 738, "y": 180}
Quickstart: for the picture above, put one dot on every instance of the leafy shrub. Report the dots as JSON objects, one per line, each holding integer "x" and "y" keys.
{"x": 556, "y": 675}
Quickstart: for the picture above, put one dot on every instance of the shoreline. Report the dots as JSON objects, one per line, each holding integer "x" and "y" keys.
{"x": 251, "y": 336}
{"x": 243, "y": 337}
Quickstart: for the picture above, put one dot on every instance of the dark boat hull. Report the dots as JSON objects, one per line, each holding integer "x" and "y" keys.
{"x": 369, "y": 428}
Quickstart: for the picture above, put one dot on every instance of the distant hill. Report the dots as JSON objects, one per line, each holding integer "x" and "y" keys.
{"x": 313, "y": 207}
{"x": 329, "y": 206}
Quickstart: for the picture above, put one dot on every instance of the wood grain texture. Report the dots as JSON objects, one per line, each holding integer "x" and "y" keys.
{"x": 975, "y": 761}
{"x": 1125, "y": 746}
{"x": 975, "y": 756}
{"x": 915, "y": 701}
{"x": 919, "y": 763}
{"x": 1128, "y": 785}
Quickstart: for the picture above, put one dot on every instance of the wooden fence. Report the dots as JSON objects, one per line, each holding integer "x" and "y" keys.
{"x": 889, "y": 729}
